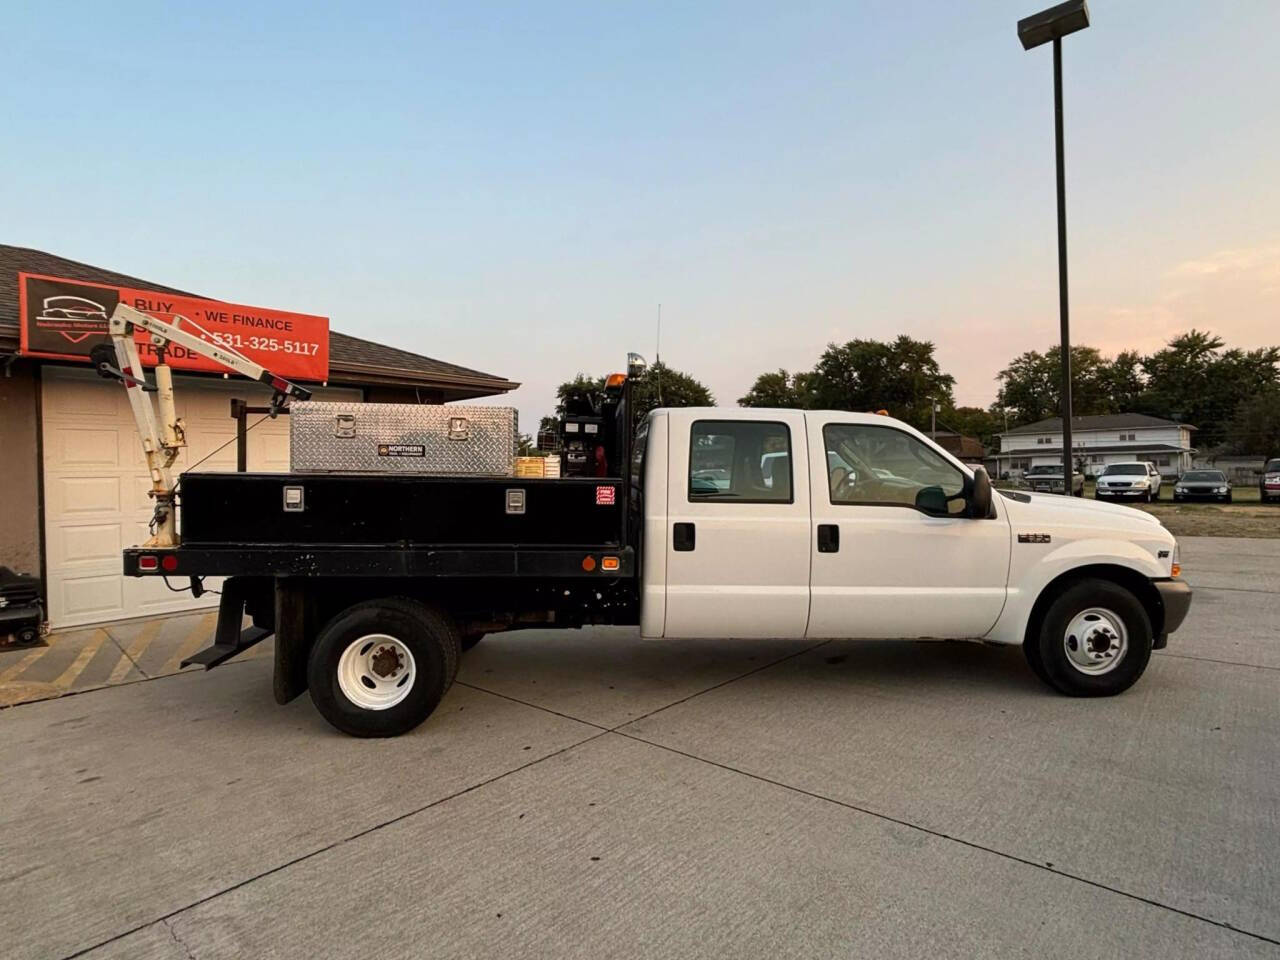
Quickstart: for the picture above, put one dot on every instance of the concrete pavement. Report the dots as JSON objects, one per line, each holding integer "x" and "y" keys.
{"x": 593, "y": 794}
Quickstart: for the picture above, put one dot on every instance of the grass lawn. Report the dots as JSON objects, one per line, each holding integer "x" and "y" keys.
{"x": 1245, "y": 516}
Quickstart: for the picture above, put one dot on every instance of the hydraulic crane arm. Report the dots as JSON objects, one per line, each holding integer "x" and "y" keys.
{"x": 163, "y": 437}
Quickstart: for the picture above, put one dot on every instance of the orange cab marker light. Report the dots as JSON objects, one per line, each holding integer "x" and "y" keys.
{"x": 609, "y": 563}
{"x": 588, "y": 563}
{"x": 615, "y": 380}
{"x": 1177, "y": 569}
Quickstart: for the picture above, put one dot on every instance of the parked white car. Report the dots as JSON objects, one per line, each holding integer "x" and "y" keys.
{"x": 1137, "y": 480}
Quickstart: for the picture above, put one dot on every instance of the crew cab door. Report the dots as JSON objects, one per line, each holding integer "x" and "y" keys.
{"x": 738, "y": 527}
{"x": 888, "y": 562}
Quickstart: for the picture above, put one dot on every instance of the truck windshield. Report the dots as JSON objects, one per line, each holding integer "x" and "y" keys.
{"x": 1043, "y": 470}
{"x": 1125, "y": 470}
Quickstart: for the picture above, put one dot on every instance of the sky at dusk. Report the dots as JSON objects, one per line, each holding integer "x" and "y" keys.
{"x": 517, "y": 187}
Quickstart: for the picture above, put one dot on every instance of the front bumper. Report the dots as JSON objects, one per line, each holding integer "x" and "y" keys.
{"x": 1175, "y": 597}
{"x": 1123, "y": 492}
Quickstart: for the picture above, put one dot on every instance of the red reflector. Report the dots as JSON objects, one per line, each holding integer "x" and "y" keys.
{"x": 170, "y": 563}
{"x": 148, "y": 562}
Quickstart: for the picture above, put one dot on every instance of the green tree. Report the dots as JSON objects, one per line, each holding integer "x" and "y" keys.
{"x": 973, "y": 422}
{"x": 1031, "y": 385}
{"x": 579, "y": 395}
{"x": 673, "y": 387}
{"x": 900, "y": 377}
{"x": 1123, "y": 382}
{"x": 1195, "y": 381}
{"x": 1255, "y": 427}
{"x": 662, "y": 386}
{"x": 780, "y": 389}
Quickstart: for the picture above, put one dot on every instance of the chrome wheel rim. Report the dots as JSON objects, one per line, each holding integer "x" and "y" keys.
{"x": 1095, "y": 641}
{"x": 376, "y": 671}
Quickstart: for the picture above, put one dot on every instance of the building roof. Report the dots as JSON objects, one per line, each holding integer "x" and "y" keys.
{"x": 352, "y": 360}
{"x": 961, "y": 447}
{"x": 1134, "y": 447}
{"x": 1105, "y": 421}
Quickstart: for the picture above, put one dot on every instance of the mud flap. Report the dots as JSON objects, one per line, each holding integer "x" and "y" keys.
{"x": 295, "y": 629}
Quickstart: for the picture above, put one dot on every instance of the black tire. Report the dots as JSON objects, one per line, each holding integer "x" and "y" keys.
{"x": 1051, "y": 639}
{"x": 1031, "y": 651}
{"x": 430, "y": 637}
{"x": 469, "y": 640}
{"x": 1227, "y": 498}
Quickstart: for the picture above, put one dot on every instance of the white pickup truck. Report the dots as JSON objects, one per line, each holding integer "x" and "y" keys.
{"x": 711, "y": 523}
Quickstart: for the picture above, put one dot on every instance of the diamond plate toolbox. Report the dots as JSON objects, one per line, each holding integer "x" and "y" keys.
{"x": 463, "y": 441}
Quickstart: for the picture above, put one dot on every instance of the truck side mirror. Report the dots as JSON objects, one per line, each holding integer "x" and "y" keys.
{"x": 932, "y": 500}
{"x": 980, "y": 507}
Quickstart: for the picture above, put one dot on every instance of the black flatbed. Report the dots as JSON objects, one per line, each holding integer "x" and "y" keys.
{"x": 360, "y": 525}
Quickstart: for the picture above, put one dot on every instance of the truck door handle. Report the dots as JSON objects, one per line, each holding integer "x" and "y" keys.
{"x": 828, "y": 538}
{"x": 683, "y": 537}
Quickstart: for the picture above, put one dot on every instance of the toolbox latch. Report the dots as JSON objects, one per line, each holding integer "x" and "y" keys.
{"x": 344, "y": 425}
{"x": 459, "y": 429}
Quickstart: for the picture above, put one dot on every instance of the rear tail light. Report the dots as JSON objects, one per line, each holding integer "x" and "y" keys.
{"x": 170, "y": 563}
{"x": 148, "y": 562}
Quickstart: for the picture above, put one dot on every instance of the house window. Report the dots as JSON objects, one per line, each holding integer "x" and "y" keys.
{"x": 1162, "y": 461}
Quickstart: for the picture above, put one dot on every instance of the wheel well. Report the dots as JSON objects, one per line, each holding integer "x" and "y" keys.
{"x": 1133, "y": 581}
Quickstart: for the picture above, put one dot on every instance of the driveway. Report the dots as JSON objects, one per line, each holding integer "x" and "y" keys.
{"x": 592, "y": 794}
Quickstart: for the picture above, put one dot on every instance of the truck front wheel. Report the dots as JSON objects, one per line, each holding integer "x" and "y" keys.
{"x": 380, "y": 667}
{"x": 1094, "y": 640}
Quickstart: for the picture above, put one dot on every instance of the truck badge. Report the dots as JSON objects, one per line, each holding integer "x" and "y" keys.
{"x": 1034, "y": 538}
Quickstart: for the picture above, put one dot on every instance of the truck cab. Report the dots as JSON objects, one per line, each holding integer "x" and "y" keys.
{"x": 865, "y": 528}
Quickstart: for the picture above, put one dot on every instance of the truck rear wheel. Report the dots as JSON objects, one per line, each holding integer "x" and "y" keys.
{"x": 379, "y": 668}
{"x": 1094, "y": 640}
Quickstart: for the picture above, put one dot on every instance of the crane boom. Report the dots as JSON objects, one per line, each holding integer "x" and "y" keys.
{"x": 163, "y": 437}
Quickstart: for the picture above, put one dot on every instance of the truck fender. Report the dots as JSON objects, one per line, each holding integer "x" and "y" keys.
{"x": 1111, "y": 559}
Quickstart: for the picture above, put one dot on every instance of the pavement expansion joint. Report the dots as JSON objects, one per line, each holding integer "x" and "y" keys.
{"x": 301, "y": 858}
{"x": 1039, "y": 865}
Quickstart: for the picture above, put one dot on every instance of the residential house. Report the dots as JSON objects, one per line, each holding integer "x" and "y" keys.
{"x": 1098, "y": 441}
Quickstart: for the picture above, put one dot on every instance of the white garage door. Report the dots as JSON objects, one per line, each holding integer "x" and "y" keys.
{"x": 95, "y": 485}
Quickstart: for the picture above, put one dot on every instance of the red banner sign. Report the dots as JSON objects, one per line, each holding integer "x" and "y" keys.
{"x": 65, "y": 319}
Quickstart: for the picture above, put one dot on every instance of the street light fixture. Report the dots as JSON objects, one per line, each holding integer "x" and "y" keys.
{"x": 1054, "y": 24}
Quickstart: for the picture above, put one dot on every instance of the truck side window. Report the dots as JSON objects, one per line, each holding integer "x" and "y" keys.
{"x": 740, "y": 461}
{"x": 884, "y": 466}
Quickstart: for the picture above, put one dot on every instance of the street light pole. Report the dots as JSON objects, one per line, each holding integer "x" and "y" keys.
{"x": 1054, "y": 24}
{"x": 1068, "y": 465}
